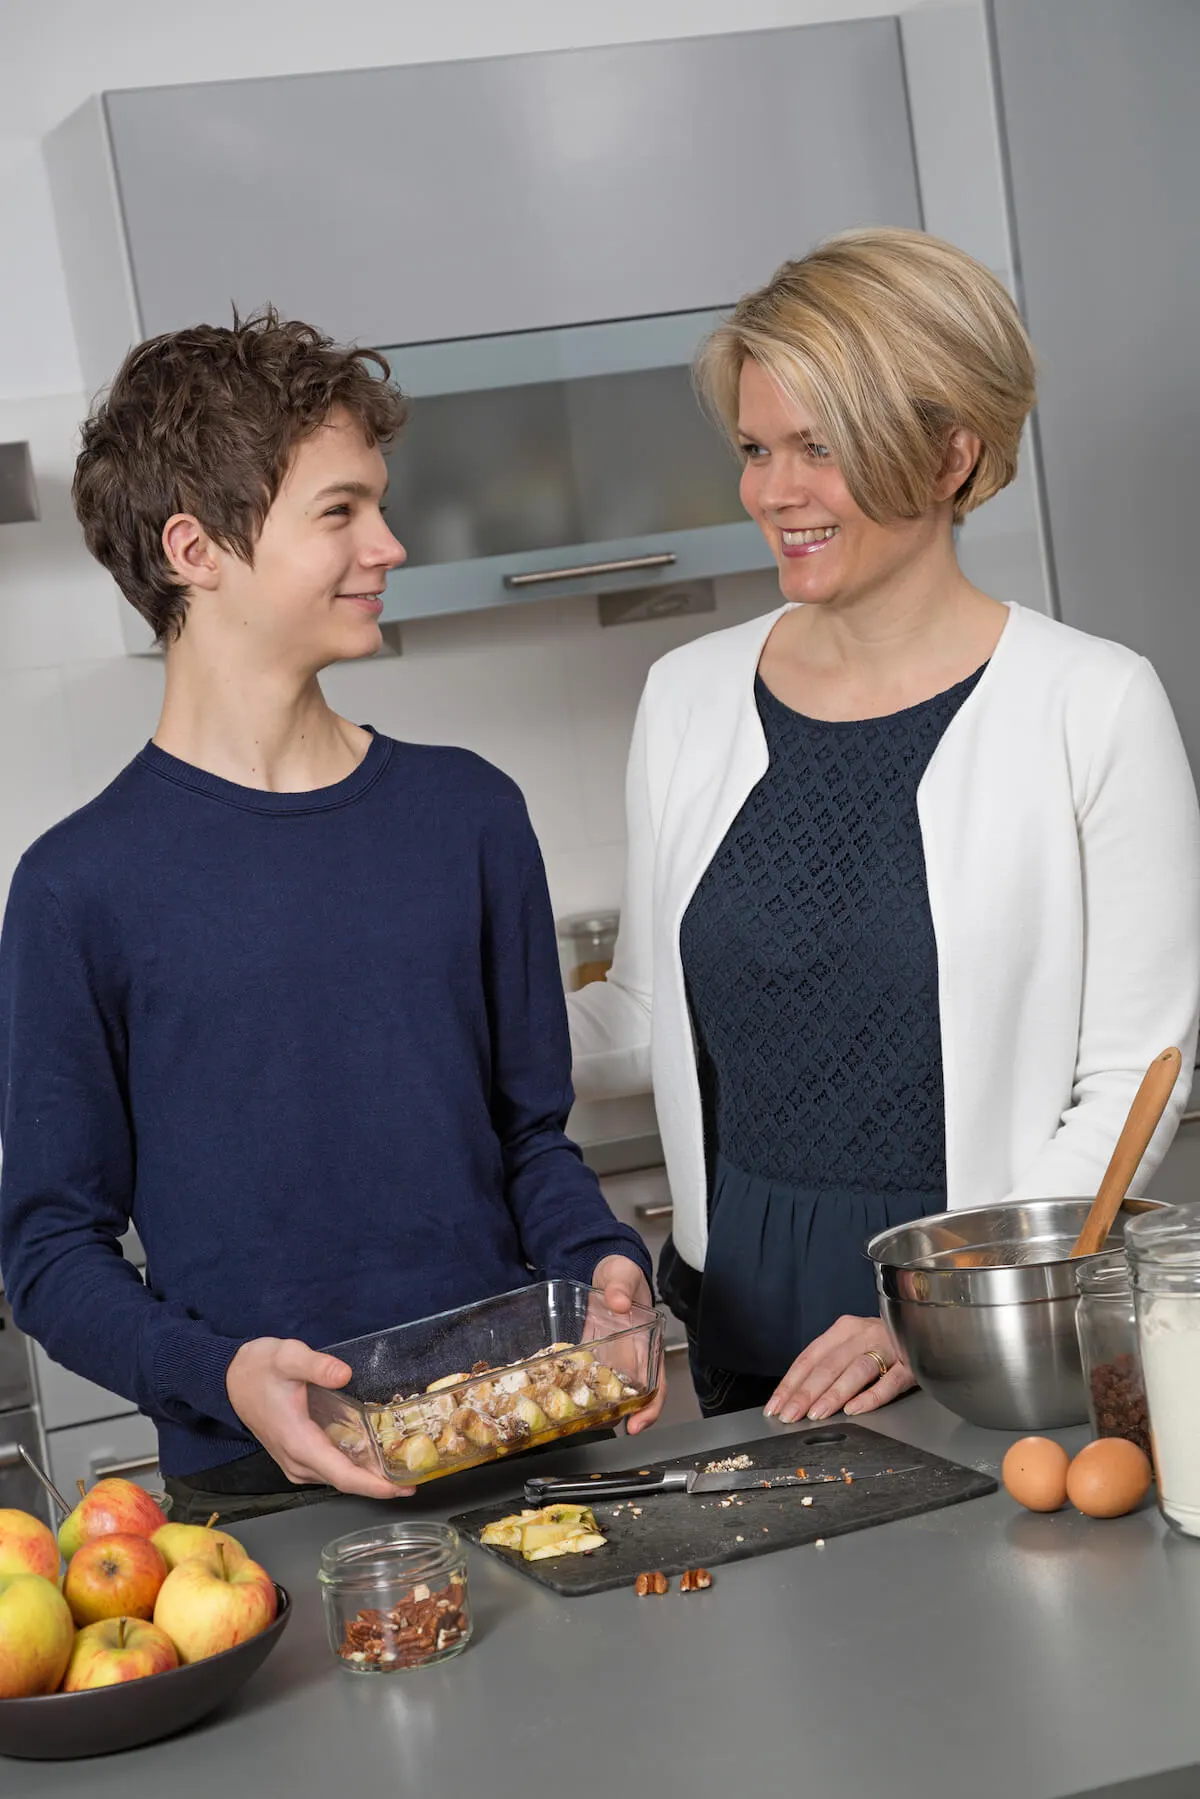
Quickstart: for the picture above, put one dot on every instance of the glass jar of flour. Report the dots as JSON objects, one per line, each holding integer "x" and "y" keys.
{"x": 1163, "y": 1248}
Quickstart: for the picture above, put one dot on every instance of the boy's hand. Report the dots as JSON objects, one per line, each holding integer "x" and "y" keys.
{"x": 624, "y": 1285}
{"x": 266, "y": 1386}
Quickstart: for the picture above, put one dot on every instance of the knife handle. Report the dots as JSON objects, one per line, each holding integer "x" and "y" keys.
{"x": 543, "y": 1490}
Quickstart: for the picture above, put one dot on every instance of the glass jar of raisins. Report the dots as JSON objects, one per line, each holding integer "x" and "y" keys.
{"x": 1108, "y": 1347}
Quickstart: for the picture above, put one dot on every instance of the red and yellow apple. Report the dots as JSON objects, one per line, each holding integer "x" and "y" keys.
{"x": 114, "y": 1577}
{"x": 179, "y": 1542}
{"x": 110, "y": 1508}
{"x": 27, "y": 1546}
{"x": 211, "y": 1602}
{"x": 36, "y": 1634}
{"x": 117, "y": 1649}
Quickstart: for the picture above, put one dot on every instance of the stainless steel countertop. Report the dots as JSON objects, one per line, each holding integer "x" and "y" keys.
{"x": 977, "y": 1650}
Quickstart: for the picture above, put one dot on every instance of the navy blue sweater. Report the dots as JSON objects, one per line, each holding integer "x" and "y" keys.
{"x": 313, "y": 1044}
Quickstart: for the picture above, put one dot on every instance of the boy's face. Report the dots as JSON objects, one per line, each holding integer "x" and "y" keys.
{"x": 315, "y": 591}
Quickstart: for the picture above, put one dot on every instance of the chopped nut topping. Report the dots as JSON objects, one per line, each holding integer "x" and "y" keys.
{"x": 417, "y": 1628}
{"x": 731, "y": 1465}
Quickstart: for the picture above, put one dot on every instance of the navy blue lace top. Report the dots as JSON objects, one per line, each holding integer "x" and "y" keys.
{"x": 810, "y": 961}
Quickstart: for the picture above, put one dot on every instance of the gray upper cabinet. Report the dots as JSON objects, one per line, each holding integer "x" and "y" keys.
{"x": 1102, "y": 129}
{"x": 436, "y": 201}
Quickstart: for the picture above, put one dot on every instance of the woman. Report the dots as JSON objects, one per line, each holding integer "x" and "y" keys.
{"x": 913, "y": 888}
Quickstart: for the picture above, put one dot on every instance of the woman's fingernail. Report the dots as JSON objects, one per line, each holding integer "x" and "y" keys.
{"x": 820, "y": 1410}
{"x": 771, "y": 1407}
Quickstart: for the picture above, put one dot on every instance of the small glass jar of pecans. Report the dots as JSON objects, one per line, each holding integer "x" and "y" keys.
{"x": 395, "y": 1597}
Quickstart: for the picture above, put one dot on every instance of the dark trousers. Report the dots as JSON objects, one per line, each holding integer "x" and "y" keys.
{"x": 723, "y": 1389}
{"x": 718, "y": 1389}
{"x": 250, "y": 1487}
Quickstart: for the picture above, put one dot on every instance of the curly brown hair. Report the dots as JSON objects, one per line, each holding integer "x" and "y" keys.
{"x": 206, "y": 421}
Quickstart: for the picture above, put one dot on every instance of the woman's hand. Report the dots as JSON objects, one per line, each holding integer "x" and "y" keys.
{"x": 839, "y": 1370}
{"x": 267, "y": 1386}
{"x": 624, "y": 1286}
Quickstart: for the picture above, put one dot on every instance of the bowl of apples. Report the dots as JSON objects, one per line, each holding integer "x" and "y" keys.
{"x": 151, "y": 1626}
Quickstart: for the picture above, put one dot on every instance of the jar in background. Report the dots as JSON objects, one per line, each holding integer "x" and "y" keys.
{"x": 1164, "y": 1256}
{"x": 395, "y": 1596}
{"x": 1108, "y": 1347}
{"x": 591, "y": 938}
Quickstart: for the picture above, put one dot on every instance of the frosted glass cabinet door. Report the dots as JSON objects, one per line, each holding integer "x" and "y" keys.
{"x": 420, "y": 203}
{"x": 576, "y": 460}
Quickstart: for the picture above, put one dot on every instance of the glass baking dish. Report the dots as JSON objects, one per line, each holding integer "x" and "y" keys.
{"x": 489, "y": 1380}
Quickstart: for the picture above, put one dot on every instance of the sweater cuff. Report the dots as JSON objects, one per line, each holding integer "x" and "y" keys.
{"x": 190, "y": 1366}
{"x": 582, "y": 1265}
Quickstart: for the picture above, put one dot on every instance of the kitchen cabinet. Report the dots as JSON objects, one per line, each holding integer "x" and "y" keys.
{"x": 540, "y": 242}
{"x": 454, "y": 200}
{"x": 67, "y": 1398}
{"x": 126, "y": 1447}
{"x": 1102, "y": 133}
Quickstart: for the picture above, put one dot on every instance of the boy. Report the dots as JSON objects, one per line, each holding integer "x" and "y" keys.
{"x": 286, "y": 993}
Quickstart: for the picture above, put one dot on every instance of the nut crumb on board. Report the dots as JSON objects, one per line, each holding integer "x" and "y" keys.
{"x": 732, "y": 1464}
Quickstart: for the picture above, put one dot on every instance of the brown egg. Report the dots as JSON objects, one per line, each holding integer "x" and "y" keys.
{"x": 1035, "y": 1472}
{"x": 1108, "y": 1478}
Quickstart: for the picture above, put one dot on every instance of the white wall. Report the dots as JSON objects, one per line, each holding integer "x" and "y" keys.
{"x": 538, "y": 688}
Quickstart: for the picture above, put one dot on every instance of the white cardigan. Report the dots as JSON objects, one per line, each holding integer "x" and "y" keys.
{"x": 1062, "y": 850}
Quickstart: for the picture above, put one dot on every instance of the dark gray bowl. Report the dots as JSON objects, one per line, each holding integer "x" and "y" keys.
{"x": 61, "y": 1726}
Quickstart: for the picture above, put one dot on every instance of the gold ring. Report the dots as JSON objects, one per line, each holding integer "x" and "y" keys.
{"x": 878, "y": 1360}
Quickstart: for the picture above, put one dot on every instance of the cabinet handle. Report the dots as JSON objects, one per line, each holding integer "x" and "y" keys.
{"x": 116, "y": 1470}
{"x": 538, "y": 577}
{"x": 676, "y": 1348}
{"x": 645, "y": 1211}
{"x": 10, "y": 1455}
{"x": 1190, "y": 1118}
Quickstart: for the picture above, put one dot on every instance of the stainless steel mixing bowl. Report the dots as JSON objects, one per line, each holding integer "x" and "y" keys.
{"x": 993, "y": 1341}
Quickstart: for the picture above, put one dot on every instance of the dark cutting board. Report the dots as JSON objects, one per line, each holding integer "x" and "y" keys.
{"x": 675, "y": 1531}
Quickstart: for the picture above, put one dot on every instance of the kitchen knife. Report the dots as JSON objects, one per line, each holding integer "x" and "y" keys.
{"x": 543, "y": 1490}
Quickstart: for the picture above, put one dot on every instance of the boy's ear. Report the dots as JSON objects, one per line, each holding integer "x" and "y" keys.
{"x": 190, "y": 551}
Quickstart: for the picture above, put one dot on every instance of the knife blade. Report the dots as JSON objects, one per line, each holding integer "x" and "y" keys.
{"x": 544, "y": 1490}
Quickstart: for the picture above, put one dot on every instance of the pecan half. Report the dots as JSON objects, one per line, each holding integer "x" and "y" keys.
{"x": 694, "y": 1580}
{"x": 654, "y": 1583}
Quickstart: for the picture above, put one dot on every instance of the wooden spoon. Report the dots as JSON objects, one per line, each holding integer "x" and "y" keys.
{"x": 1149, "y": 1104}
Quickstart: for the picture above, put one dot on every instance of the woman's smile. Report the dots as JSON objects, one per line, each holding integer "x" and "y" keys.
{"x": 804, "y": 543}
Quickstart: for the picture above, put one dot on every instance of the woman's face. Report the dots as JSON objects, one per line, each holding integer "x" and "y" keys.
{"x": 826, "y": 549}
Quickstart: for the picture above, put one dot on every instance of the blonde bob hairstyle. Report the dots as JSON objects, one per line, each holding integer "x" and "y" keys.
{"x": 890, "y": 339}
